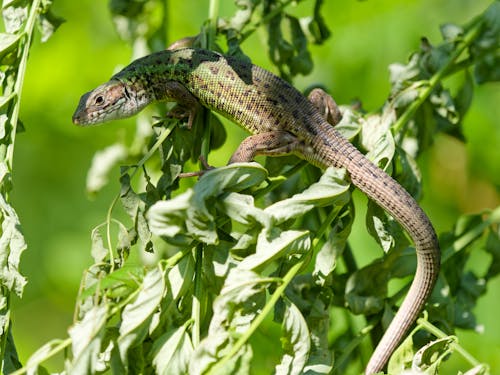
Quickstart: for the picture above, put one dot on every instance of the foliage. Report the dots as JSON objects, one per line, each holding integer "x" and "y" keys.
{"x": 19, "y": 20}
{"x": 245, "y": 240}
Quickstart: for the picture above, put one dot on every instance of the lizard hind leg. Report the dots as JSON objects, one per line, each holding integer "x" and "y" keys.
{"x": 325, "y": 104}
{"x": 275, "y": 143}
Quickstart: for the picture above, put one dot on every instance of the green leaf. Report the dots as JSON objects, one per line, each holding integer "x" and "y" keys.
{"x": 331, "y": 189}
{"x": 241, "y": 208}
{"x": 167, "y": 219}
{"x": 232, "y": 178}
{"x": 135, "y": 206}
{"x": 327, "y": 256}
{"x": 429, "y": 357}
{"x": 48, "y": 23}
{"x": 366, "y": 289}
{"x": 180, "y": 277}
{"x": 276, "y": 245}
{"x": 119, "y": 283}
{"x": 86, "y": 338}
{"x": 12, "y": 245}
{"x": 402, "y": 357}
{"x": 8, "y": 44}
{"x": 11, "y": 361}
{"x": 295, "y": 341}
{"x": 98, "y": 251}
{"x": 103, "y": 163}
{"x": 136, "y": 316}
{"x": 172, "y": 351}
{"x": 33, "y": 364}
{"x": 240, "y": 300}
{"x": 376, "y": 137}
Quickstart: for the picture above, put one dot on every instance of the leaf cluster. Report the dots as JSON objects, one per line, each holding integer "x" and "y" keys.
{"x": 19, "y": 20}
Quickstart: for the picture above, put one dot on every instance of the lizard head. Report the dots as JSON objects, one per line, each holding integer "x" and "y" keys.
{"x": 110, "y": 101}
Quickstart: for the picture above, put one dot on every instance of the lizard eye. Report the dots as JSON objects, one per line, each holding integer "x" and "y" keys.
{"x": 99, "y": 100}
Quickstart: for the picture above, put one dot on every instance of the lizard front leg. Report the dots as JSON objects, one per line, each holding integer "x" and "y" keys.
{"x": 275, "y": 143}
{"x": 187, "y": 104}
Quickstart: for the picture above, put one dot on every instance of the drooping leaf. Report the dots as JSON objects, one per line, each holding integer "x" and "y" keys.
{"x": 295, "y": 341}
{"x": 12, "y": 245}
{"x": 136, "y": 316}
{"x": 239, "y": 301}
{"x": 172, "y": 351}
{"x": 102, "y": 165}
{"x": 86, "y": 338}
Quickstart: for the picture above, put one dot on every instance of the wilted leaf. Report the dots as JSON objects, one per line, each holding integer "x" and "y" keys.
{"x": 451, "y": 32}
{"x": 376, "y": 137}
{"x": 136, "y": 316}
{"x": 14, "y": 15}
{"x": 39, "y": 356}
{"x": 12, "y": 245}
{"x": 98, "y": 251}
{"x": 429, "y": 357}
{"x": 295, "y": 341}
{"x": 48, "y": 23}
{"x": 167, "y": 219}
{"x": 102, "y": 164}
{"x": 86, "y": 338}
{"x": 240, "y": 300}
{"x": 172, "y": 351}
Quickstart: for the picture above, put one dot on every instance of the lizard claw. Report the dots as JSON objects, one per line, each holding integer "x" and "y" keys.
{"x": 200, "y": 173}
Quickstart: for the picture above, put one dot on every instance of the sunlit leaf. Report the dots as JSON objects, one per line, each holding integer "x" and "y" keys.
{"x": 331, "y": 189}
{"x": 136, "y": 316}
{"x": 172, "y": 351}
{"x": 102, "y": 165}
{"x": 294, "y": 340}
{"x": 86, "y": 338}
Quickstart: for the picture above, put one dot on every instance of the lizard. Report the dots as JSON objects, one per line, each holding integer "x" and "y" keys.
{"x": 281, "y": 121}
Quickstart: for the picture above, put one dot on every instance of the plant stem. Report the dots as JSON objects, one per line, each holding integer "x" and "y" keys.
{"x": 259, "y": 319}
{"x": 454, "y": 345}
{"x": 18, "y": 88}
{"x": 63, "y": 344}
{"x": 197, "y": 296}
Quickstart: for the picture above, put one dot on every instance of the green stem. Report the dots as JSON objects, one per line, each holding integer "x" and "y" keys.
{"x": 265, "y": 19}
{"x": 61, "y": 346}
{"x": 436, "y": 78}
{"x": 197, "y": 296}
{"x": 18, "y": 88}
{"x": 213, "y": 17}
{"x": 155, "y": 147}
{"x": 259, "y": 319}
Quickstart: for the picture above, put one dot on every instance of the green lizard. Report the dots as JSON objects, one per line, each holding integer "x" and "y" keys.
{"x": 281, "y": 121}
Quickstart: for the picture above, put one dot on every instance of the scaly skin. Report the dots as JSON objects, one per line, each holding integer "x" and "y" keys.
{"x": 282, "y": 121}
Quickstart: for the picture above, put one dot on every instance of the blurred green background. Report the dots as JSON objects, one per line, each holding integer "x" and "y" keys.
{"x": 52, "y": 156}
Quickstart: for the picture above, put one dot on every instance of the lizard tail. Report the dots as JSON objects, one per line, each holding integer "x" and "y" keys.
{"x": 393, "y": 198}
